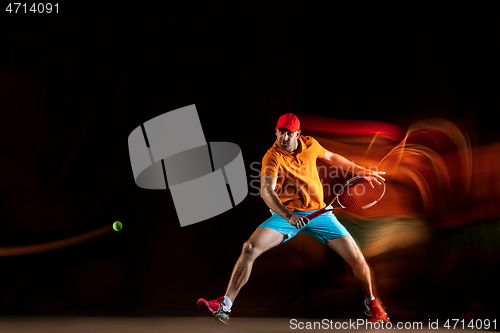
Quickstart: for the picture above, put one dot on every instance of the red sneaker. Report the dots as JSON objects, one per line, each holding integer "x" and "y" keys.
{"x": 215, "y": 308}
{"x": 375, "y": 311}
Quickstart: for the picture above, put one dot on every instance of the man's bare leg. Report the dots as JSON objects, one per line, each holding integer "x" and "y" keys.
{"x": 347, "y": 248}
{"x": 261, "y": 240}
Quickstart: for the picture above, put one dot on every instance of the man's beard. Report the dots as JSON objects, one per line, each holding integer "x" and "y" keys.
{"x": 286, "y": 145}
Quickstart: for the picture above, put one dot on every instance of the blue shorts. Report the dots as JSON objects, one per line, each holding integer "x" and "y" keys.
{"x": 323, "y": 228}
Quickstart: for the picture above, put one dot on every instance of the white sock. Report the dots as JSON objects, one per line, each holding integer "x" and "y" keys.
{"x": 227, "y": 302}
{"x": 368, "y": 300}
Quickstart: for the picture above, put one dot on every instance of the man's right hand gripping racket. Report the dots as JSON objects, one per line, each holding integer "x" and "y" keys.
{"x": 360, "y": 192}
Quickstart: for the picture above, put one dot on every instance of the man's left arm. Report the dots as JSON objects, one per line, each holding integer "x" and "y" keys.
{"x": 348, "y": 166}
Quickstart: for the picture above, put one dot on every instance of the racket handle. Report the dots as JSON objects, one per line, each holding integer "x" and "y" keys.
{"x": 315, "y": 214}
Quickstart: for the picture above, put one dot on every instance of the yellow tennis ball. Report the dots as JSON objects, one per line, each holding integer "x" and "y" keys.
{"x": 117, "y": 226}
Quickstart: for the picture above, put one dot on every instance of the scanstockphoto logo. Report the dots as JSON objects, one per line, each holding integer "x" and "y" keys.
{"x": 205, "y": 178}
{"x": 294, "y": 186}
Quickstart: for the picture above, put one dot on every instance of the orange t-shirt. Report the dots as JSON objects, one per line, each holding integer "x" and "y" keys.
{"x": 298, "y": 185}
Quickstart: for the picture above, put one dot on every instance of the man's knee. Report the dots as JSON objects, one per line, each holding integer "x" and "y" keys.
{"x": 250, "y": 250}
{"x": 359, "y": 260}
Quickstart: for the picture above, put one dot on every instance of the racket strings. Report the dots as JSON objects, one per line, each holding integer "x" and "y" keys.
{"x": 359, "y": 193}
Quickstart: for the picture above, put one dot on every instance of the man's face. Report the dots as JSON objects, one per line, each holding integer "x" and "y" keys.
{"x": 287, "y": 140}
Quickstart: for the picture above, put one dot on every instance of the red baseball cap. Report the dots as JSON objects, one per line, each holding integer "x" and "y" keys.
{"x": 289, "y": 121}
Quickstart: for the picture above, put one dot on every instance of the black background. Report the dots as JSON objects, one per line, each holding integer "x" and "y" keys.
{"x": 73, "y": 85}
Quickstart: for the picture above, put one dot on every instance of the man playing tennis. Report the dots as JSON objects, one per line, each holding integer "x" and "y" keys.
{"x": 291, "y": 188}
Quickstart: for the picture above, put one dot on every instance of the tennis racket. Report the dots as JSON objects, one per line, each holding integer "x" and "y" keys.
{"x": 357, "y": 193}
